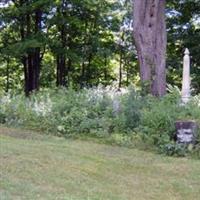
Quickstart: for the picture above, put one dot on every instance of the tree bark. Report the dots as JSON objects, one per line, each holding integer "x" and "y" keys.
{"x": 31, "y": 59}
{"x": 8, "y": 74}
{"x": 62, "y": 70}
{"x": 37, "y": 50}
{"x": 121, "y": 61}
{"x": 149, "y": 29}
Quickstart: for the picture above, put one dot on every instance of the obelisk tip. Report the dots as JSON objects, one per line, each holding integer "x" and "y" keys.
{"x": 186, "y": 51}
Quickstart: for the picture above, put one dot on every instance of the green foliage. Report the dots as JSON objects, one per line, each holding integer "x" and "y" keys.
{"x": 183, "y": 31}
{"x": 158, "y": 121}
{"x": 127, "y": 119}
{"x": 91, "y": 38}
{"x": 83, "y": 43}
{"x": 131, "y": 106}
{"x": 173, "y": 149}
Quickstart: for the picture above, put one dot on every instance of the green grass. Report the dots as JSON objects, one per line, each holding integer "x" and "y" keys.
{"x": 34, "y": 166}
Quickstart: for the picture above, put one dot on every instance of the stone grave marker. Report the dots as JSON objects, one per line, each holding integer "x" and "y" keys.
{"x": 186, "y": 131}
{"x": 185, "y": 92}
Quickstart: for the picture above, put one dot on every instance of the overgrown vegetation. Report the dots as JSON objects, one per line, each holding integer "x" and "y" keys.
{"x": 125, "y": 118}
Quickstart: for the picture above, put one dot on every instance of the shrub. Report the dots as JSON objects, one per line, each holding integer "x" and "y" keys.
{"x": 126, "y": 118}
{"x": 158, "y": 118}
{"x": 132, "y": 104}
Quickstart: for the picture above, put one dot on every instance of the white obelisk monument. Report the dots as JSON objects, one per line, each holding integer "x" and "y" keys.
{"x": 185, "y": 93}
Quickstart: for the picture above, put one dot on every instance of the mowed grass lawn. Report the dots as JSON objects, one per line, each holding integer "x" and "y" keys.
{"x": 34, "y": 166}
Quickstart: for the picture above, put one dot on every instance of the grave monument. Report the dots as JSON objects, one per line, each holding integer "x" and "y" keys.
{"x": 186, "y": 130}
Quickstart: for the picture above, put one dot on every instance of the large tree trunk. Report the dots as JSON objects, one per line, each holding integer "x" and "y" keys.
{"x": 150, "y": 39}
{"x": 31, "y": 60}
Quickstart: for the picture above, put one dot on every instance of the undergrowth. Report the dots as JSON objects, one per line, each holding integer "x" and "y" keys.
{"x": 125, "y": 118}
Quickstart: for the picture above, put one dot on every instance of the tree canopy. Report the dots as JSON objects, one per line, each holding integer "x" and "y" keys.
{"x": 53, "y": 43}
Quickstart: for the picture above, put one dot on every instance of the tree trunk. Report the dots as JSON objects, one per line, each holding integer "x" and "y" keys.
{"x": 61, "y": 70}
{"x": 37, "y": 50}
{"x": 7, "y": 74}
{"x": 150, "y": 39}
{"x": 120, "y": 71}
{"x": 105, "y": 71}
{"x": 31, "y": 59}
{"x": 62, "y": 57}
{"x": 121, "y": 61}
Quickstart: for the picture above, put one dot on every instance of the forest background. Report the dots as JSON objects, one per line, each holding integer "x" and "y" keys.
{"x": 50, "y": 43}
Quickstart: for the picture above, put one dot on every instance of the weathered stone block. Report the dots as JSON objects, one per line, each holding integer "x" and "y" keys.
{"x": 186, "y": 131}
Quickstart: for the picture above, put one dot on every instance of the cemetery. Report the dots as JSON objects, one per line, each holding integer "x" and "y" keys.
{"x": 99, "y": 100}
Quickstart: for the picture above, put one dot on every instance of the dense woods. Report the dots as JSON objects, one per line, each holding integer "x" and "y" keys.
{"x": 53, "y": 43}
